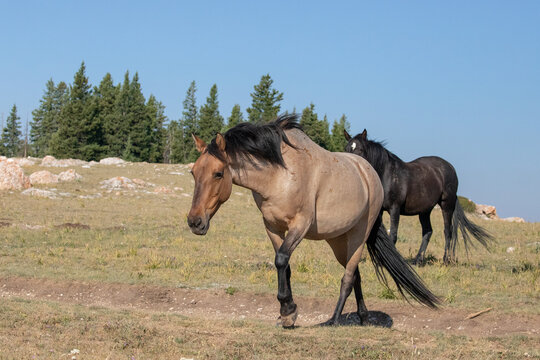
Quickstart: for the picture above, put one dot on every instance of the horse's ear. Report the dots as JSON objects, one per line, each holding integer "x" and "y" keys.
{"x": 347, "y": 136}
{"x": 199, "y": 143}
{"x": 364, "y": 134}
{"x": 220, "y": 141}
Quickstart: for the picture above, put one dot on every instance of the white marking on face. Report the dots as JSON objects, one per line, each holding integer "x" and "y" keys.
{"x": 353, "y": 145}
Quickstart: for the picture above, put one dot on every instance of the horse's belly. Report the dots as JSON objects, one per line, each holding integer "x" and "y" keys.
{"x": 323, "y": 230}
{"x": 337, "y": 218}
{"x": 420, "y": 201}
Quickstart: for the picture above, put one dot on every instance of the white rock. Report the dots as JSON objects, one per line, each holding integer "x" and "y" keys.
{"x": 111, "y": 161}
{"x": 22, "y": 161}
{"x": 69, "y": 175}
{"x": 116, "y": 183}
{"x": 39, "y": 193}
{"x": 52, "y": 161}
{"x": 12, "y": 177}
{"x": 514, "y": 219}
{"x": 487, "y": 210}
{"x": 43, "y": 177}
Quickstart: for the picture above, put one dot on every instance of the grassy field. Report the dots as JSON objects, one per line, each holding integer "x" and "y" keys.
{"x": 140, "y": 237}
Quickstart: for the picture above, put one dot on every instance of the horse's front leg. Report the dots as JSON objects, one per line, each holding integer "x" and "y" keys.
{"x": 288, "y": 309}
{"x": 277, "y": 237}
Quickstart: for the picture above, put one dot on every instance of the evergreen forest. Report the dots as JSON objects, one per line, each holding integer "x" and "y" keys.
{"x": 91, "y": 122}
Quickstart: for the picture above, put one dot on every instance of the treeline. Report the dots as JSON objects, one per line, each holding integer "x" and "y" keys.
{"x": 92, "y": 122}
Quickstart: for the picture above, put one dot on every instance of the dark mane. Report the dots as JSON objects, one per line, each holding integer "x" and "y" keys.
{"x": 377, "y": 155}
{"x": 247, "y": 141}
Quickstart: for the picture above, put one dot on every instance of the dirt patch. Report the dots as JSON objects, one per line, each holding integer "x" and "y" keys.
{"x": 73, "y": 226}
{"x": 217, "y": 304}
{"x": 4, "y": 224}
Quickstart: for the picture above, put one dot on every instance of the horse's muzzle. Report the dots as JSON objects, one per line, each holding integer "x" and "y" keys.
{"x": 198, "y": 225}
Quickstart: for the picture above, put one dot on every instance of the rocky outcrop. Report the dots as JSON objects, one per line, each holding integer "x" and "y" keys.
{"x": 52, "y": 161}
{"x": 111, "y": 161}
{"x": 488, "y": 211}
{"x": 514, "y": 219}
{"x": 118, "y": 183}
{"x": 12, "y": 176}
{"x": 21, "y": 161}
{"x": 69, "y": 175}
{"x": 43, "y": 177}
{"x": 40, "y": 193}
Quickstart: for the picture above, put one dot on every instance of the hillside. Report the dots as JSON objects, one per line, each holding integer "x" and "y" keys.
{"x": 106, "y": 264}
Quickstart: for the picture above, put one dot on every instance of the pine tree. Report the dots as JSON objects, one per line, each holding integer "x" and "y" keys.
{"x": 94, "y": 146}
{"x": 118, "y": 123}
{"x": 139, "y": 122}
{"x": 156, "y": 114}
{"x": 210, "y": 121}
{"x": 174, "y": 148}
{"x": 308, "y": 120}
{"x": 316, "y": 129}
{"x": 11, "y": 134}
{"x": 38, "y": 133}
{"x": 106, "y": 96}
{"x": 323, "y": 134}
{"x": 75, "y": 123}
{"x": 338, "y": 140}
{"x": 89, "y": 124}
{"x": 265, "y": 102}
{"x": 190, "y": 124}
{"x": 127, "y": 154}
{"x": 235, "y": 118}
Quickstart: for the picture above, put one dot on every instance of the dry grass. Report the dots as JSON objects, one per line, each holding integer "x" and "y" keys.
{"x": 38, "y": 329}
{"x": 142, "y": 237}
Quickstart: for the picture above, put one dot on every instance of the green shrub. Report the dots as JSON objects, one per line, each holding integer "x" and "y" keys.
{"x": 231, "y": 290}
{"x": 387, "y": 293}
{"x": 467, "y": 205}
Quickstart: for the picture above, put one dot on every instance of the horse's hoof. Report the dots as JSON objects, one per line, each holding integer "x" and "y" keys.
{"x": 418, "y": 262}
{"x": 364, "y": 318}
{"x": 287, "y": 321}
{"x": 330, "y": 322}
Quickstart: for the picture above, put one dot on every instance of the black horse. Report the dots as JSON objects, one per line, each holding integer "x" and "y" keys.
{"x": 414, "y": 188}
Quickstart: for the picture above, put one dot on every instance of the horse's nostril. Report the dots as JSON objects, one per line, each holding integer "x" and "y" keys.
{"x": 194, "y": 222}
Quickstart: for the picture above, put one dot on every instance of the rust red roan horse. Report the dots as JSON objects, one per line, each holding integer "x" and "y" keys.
{"x": 302, "y": 191}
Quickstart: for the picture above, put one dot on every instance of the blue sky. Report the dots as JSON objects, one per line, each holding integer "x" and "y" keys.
{"x": 457, "y": 79}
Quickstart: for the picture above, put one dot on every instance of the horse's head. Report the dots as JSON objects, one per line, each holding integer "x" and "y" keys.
{"x": 358, "y": 144}
{"x": 213, "y": 183}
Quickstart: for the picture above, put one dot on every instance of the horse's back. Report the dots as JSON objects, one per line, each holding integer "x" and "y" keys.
{"x": 430, "y": 179}
{"x": 344, "y": 186}
{"x": 439, "y": 166}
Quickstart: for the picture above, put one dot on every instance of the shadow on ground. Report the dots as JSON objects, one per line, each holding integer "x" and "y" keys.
{"x": 375, "y": 318}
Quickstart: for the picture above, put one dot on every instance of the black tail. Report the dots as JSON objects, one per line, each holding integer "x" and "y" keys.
{"x": 460, "y": 221}
{"x": 385, "y": 255}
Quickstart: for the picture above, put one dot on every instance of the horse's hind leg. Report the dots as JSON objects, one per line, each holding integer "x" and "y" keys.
{"x": 426, "y": 235}
{"x": 339, "y": 246}
{"x": 394, "y": 222}
{"x": 447, "y": 207}
{"x": 360, "y": 305}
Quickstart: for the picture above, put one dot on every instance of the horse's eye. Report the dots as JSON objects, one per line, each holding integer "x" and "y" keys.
{"x": 218, "y": 175}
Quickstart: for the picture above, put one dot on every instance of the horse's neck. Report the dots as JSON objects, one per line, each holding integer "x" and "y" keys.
{"x": 253, "y": 178}
{"x": 261, "y": 177}
{"x": 385, "y": 161}
{"x": 389, "y": 168}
